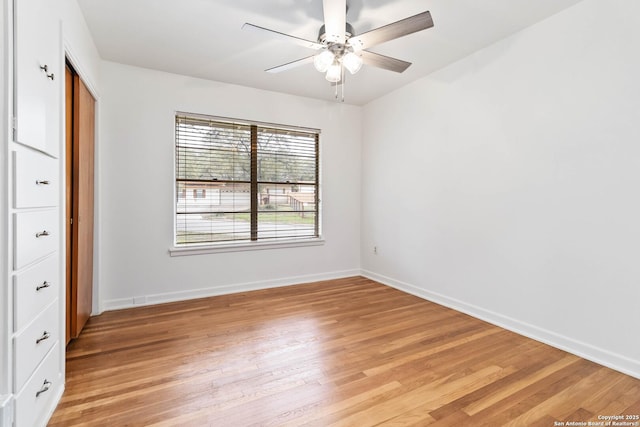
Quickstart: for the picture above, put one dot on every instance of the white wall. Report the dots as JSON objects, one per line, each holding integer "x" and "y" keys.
{"x": 506, "y": 185}
{"x": 137, "y": 186}
{"x": 78, "y": 44}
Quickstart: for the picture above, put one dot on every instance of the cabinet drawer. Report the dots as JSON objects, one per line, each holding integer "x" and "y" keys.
{"x": 33, "y": 290}
{"x": 37, "y": 396}
{"x": 34, "y": 342}
{"x": 36, "y": 235}
{"x": 35, "y": 180}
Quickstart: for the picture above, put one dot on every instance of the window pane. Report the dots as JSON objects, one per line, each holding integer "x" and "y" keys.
{"x": 286, "y": 156}
{"x": 286, "y": 210}
{"x": 212, "y": 212}
{"x": 282, "y": 224}
{"x": 212, "y": 151}
{"x": 219, "y": 227}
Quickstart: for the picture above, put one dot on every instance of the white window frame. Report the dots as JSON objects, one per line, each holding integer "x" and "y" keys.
{"x": 244, "y": 245}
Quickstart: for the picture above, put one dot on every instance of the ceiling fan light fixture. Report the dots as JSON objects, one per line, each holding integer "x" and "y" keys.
{"x": 356, "y": 46}
{"x": 334, "y": 72}
{"x": 352, "y": 62}
{"x": 338, "y": 47}
{"x": 323, "y": 60}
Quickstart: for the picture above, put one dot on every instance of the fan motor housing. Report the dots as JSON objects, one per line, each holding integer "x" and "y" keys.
{"x": 349, "y": 32}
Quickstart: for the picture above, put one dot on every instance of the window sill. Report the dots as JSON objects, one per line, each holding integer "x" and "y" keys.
{"x": 241, "y": 247}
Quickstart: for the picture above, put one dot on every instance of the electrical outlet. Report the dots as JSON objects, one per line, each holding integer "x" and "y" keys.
{"x": 375, "y": 250}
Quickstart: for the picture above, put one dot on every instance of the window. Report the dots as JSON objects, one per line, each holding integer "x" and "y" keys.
{"x": 241, "y": 181}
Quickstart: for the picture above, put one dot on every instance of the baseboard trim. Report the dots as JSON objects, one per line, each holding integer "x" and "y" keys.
{"x": 139, "y": 301}
{"x": 587, "y": 351}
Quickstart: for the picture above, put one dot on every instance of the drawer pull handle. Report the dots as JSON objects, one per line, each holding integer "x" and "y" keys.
{"x": 42, "y": 233}
{"x": 44, "y": 285}
{"x": 45, "y": 336}
{"x": 45, "y": 387}
{"x": 51, "y": 76}
{"x": 43, "y": 182}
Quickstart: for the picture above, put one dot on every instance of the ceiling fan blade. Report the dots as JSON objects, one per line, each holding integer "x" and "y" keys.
{"x": 302, "y": 42}
{"x": 290, "y": 65}
{"x": 401, "y": 28}
{"x": 385, "y": 62}
{"x": 335, "y": 20}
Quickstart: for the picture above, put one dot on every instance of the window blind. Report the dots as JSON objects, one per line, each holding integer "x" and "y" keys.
{"x": 239, "y": 181}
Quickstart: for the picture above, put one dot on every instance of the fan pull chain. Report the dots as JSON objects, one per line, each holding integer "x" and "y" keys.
{"x": 342, "y": 79}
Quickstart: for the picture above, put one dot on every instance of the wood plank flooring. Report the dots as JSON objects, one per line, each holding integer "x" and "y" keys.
{"x": 348, "y": 352}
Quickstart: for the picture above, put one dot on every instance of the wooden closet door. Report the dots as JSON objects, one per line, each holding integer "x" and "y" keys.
{"x": 83, "y": 171}
{"x": 68, "y": 194}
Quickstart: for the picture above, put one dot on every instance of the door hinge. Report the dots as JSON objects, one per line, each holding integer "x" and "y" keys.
{"x": 71, "y": 221}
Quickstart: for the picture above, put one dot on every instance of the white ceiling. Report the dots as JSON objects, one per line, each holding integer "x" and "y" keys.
{"x": 203, "y": 38}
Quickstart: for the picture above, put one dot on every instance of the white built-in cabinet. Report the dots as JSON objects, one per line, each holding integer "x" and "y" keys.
{"x": 34, "y": 188}
{"x": 36, "y": 288}
{"x": 37, "y": 77}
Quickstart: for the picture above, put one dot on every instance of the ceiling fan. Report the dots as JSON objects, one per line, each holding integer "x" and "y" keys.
{"x": 339, "y": 47}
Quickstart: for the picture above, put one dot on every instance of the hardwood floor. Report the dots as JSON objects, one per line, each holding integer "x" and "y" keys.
{"x": 347, "y": 352}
